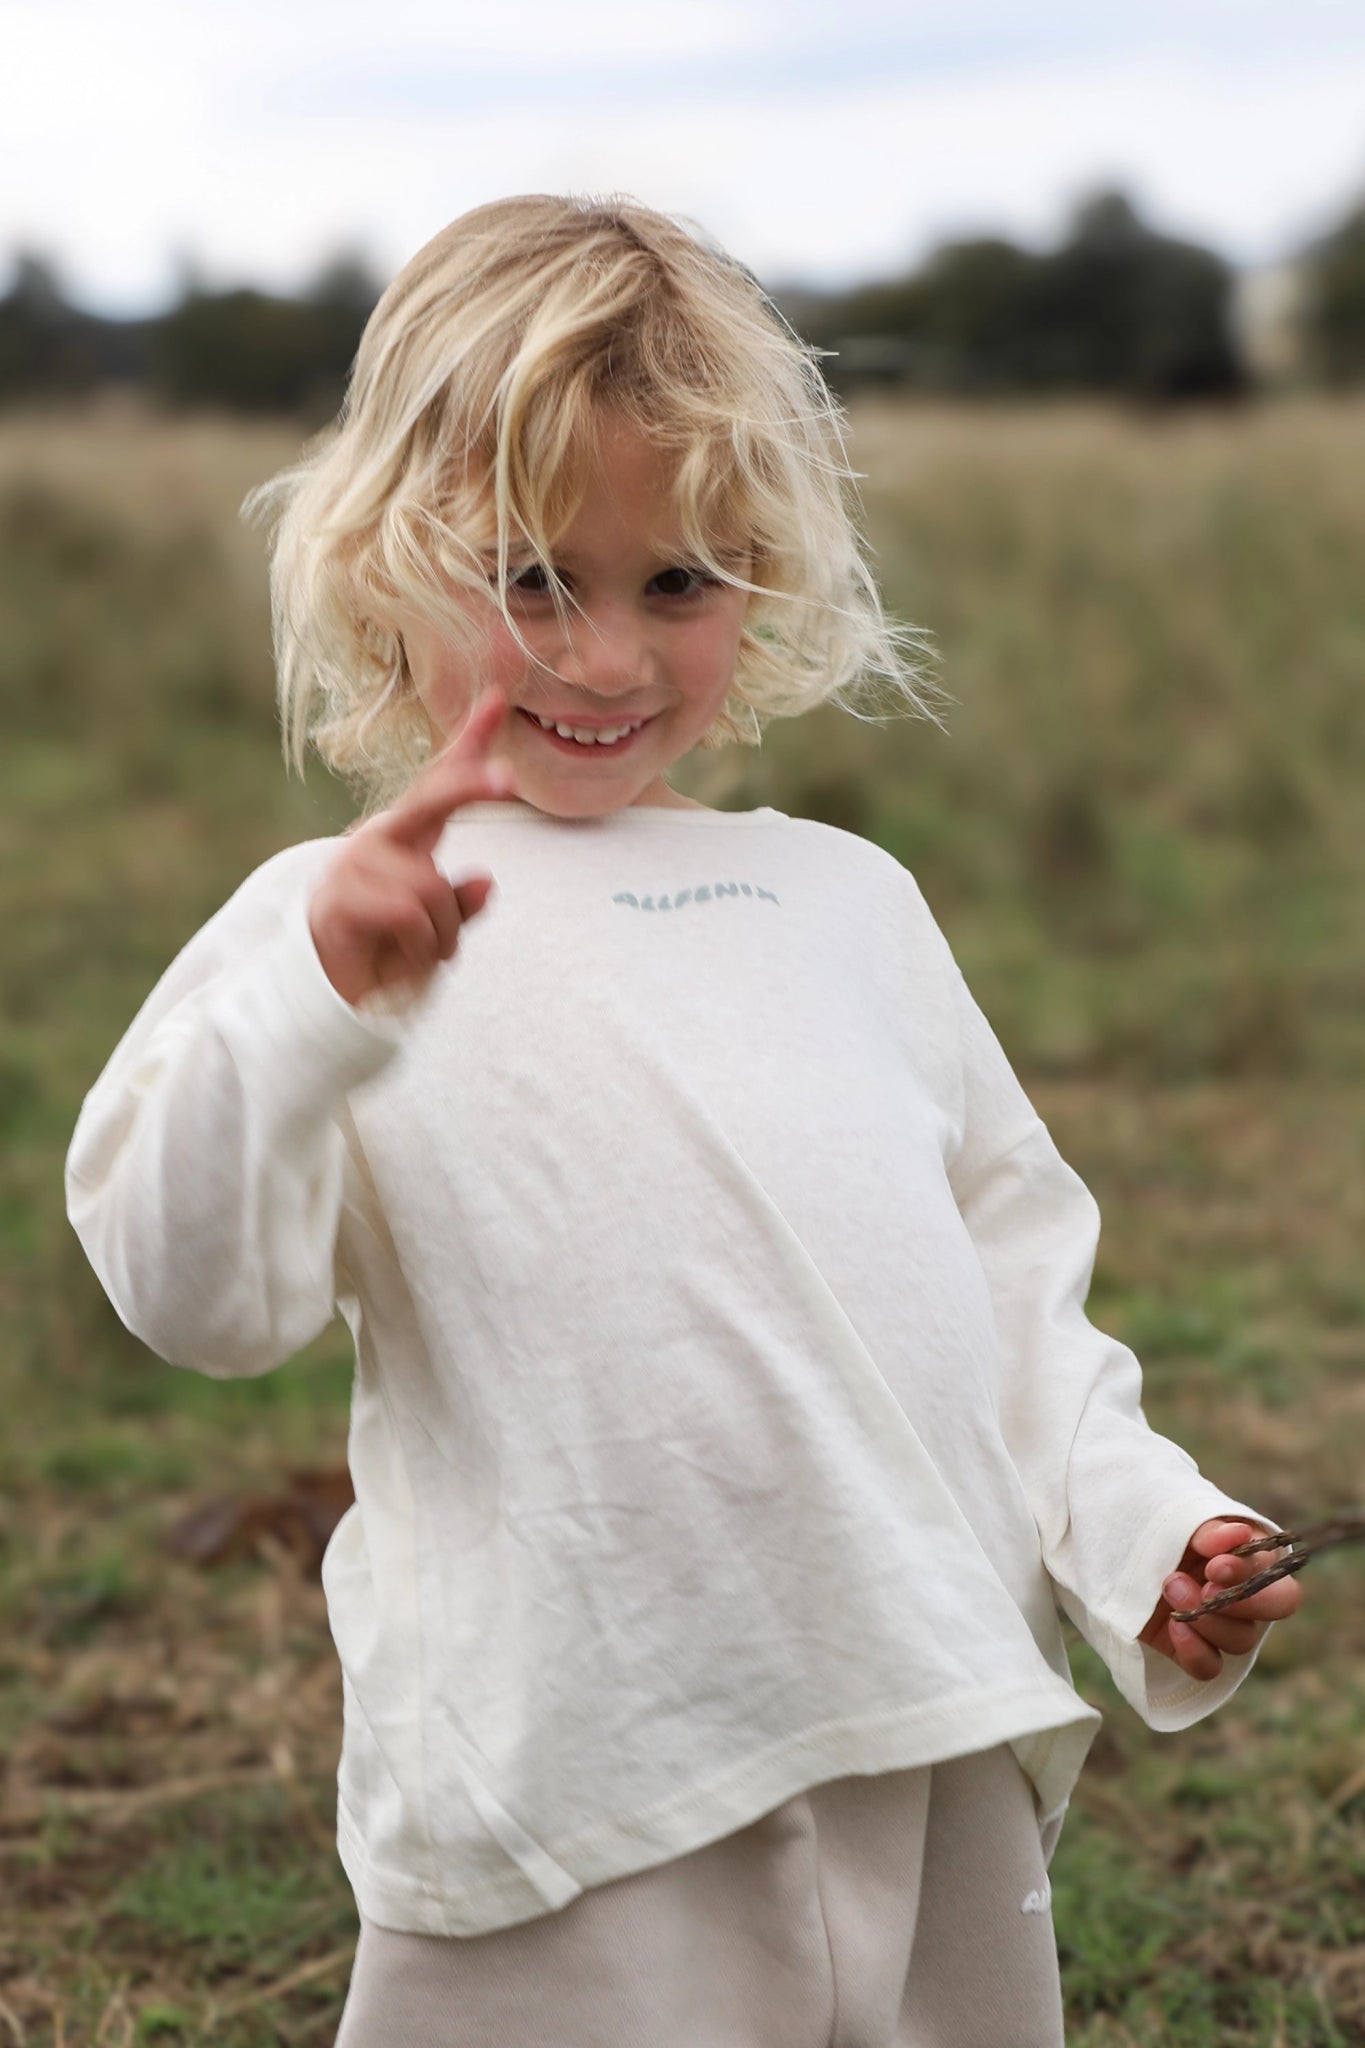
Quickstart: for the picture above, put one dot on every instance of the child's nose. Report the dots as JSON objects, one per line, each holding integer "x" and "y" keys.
{"x": 608, "y": 651}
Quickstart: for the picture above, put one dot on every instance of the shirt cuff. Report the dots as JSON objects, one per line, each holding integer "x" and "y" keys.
{"x": 1166, "y": 1697}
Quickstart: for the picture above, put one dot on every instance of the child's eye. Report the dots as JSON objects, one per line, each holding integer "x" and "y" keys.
{"x": 533, "y": 580}
{"x": 683, "y": 582}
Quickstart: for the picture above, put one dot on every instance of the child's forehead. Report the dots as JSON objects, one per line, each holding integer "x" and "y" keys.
{"x": 615, "y": 472}
{"x": 610, "y": 448}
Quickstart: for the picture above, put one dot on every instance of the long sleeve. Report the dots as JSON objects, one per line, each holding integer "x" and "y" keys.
{"x": 204, "y": 1178}
{"x": 1115, "y": 1503}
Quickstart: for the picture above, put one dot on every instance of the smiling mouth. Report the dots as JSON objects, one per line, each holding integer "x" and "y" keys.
{"x": 583, "y": 739}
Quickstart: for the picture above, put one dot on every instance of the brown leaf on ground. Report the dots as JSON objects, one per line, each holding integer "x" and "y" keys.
{"x": 301, "y": 1520}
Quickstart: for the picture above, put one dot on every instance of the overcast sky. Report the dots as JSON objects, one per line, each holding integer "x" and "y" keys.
{"x": 821, "y": 142}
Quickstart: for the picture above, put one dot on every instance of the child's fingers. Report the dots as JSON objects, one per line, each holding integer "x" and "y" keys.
{"x": 483, "y": 722}
{"x": 422, "y": 927}
{"x": 451, "y": 906}
{"x": 418, "y": 818}
{"x": 1272, "y": 1603}
{"x": 1212, "y": 1539}
{"x": 386, "y": 912}
{"x": 1231, "y": 1571}
{"x": 402, "y": 874}
{"x": 461, "y": 773}
{"x": 405, "y": 939}
{"x": 1199, "y": 1646}
{"x": 1198, "y": 1658}
{"x": 471, "y": 896}
{"x": 1227, "y": 1632}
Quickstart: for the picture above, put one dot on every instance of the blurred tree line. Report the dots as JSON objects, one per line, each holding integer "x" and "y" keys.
{"x": 246, "y": 350}
{"x": 1115, "y": 308}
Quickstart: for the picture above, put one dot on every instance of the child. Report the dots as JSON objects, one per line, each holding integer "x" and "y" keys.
{"x": 727, "y": 1429}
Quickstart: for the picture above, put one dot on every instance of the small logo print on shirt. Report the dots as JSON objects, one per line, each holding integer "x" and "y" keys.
{"x": 705, "y": 893}
{"x": 1038, "y": 1902}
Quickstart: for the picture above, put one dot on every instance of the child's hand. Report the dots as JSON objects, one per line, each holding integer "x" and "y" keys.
{"x": 383, "y": 911}
{"x": 1198, "y": 1646}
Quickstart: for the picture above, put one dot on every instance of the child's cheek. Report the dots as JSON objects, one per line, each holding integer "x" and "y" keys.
{"x": 507, "y": 661}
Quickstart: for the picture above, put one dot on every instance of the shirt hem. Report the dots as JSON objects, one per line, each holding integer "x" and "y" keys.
{"x": 1050, "y": 1744}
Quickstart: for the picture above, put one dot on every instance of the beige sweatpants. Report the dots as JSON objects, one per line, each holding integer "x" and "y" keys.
{"x": 905, "y": 1910}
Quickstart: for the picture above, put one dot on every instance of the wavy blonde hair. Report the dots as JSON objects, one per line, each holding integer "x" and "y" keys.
{"x": 463, "y": 443}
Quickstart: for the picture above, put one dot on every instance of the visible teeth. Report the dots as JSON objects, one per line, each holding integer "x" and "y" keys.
{"x": 586, "y": 735}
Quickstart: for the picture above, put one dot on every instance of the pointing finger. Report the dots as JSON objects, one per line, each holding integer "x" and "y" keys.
{"x": 463, "y": 772}
{"x": 482, "y": 722}
{"x": 472, "y": 743}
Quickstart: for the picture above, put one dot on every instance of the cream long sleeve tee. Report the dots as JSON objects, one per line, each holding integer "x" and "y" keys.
{"x": 726, "y": 1417}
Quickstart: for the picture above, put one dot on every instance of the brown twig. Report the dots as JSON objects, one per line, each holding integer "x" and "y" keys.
{"x": 118, "y": 1803}
{"x": 1299, "y": 1547}
{"x": 308, "y": 1973}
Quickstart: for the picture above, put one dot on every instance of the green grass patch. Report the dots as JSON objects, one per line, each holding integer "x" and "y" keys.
{"x": 233, "y": 1884}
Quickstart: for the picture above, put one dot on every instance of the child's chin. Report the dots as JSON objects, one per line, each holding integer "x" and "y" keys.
{"x": 565, "y": 800}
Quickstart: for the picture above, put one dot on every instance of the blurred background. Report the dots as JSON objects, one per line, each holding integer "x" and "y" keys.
{"x": 1092, "y": 288}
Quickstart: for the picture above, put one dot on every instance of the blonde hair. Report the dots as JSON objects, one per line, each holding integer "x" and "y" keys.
{"x": 462, "y": 440}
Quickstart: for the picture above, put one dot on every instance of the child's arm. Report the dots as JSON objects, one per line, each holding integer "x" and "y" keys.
{"x": 205, "y": 1175}
{"x": 1116, "y": 1505}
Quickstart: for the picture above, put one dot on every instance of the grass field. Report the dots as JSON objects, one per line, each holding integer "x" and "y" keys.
{"x": 1144, "y": 834}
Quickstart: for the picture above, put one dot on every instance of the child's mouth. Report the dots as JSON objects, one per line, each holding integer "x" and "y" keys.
{"x": 606, "y": 739}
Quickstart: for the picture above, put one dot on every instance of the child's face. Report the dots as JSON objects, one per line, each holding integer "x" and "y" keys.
{"x": 651, "y": 646}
